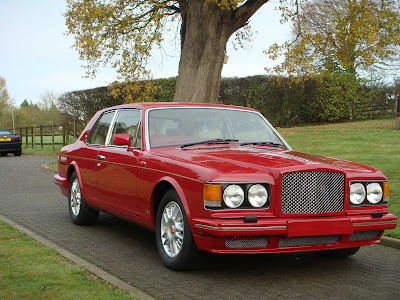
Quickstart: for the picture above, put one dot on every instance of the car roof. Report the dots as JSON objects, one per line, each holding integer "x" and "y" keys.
{"x": 150, "y": 105}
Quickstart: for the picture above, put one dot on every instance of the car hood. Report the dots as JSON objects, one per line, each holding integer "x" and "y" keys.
{"x": 256, "y": 159}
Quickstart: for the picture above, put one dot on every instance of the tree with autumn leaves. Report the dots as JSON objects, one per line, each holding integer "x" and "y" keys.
{"x": 124, "y": 32}
{"x": 331, "y": 35}
{"x": 356, "y": 37}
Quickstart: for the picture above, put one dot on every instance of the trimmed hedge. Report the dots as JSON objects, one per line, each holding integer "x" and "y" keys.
{"x": 284, "y": 101}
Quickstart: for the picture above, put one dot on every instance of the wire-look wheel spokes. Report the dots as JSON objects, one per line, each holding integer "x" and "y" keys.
{"x": 172, "y": 229}
{"x": 76, "y": 197}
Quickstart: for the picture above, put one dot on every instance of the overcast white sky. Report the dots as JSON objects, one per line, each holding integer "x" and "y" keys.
{"x": 36, "y": 57}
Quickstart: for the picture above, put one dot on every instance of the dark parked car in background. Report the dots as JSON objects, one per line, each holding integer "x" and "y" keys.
{"x": 10, "y": 143}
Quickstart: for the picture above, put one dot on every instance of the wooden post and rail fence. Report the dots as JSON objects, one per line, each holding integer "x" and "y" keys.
{"x": 44, "y": 135}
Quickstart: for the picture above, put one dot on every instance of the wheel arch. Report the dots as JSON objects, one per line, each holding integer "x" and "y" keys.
{"x": 73, "y": 167}
{"x": 162, "y": 186}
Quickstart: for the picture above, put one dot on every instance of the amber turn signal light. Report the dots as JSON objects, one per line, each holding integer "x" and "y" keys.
{"x": 385, "y": 192}
{"x": 212, "y": 195}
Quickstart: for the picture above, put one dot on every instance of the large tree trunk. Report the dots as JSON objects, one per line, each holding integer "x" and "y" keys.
{"x": 204, "y": 34}
{"x": 203, "y": 38}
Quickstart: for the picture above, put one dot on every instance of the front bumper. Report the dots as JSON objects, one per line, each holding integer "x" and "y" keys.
{"x": 62, "y": 182}
{"x": 280, "y": 235}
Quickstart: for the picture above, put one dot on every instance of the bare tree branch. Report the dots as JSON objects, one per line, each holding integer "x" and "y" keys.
{"x": 242, "y": 14}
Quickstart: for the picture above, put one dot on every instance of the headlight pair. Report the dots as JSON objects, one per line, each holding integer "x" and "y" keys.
{"x": 369, "y": 193}
{"x": 236, "y": 195}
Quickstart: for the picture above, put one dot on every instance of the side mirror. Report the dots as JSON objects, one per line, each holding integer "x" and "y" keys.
{"x": 122, "y": 139}
{"x": 85, "y": 135}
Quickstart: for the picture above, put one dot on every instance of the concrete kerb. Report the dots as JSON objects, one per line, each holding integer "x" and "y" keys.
{"x": 390, "y": 242}
{"x": 47, "y": 168}
{"x": 79, "y": 261}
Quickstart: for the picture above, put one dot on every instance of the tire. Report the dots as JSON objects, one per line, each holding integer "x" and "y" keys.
{"x": 80, "y": 213}
{"x": 3, "y": 153}
{"x": 339, "y": 253}
{"x": 18, "y": 152}
{"x": 174, "y": 238}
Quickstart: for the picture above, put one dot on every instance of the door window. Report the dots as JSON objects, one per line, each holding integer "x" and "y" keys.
{"x": 128, "y": 121}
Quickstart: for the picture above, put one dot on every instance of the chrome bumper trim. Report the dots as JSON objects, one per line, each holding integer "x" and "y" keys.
{"x": 239, "y": 228}
{"x": 375, "y": 223}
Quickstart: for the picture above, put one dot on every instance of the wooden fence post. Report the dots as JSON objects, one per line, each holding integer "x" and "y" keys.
{"x": 41, "y": 136}
{"x": 52, "y": 135}
{"x": 63, "y": 133}
{"x": 32, "y": 138}
{"x": 26, "y": 137}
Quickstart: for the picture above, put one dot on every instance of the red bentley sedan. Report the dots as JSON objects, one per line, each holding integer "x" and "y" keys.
{"x": 219, "y": 179}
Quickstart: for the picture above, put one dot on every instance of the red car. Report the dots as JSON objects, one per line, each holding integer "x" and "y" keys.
{"x": 219, "y": 179}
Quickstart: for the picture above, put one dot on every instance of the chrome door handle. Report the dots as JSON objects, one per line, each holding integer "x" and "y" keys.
{"x": 102, "y": 157}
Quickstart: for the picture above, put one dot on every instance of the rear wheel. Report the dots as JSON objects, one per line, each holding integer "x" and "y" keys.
{"x": 80, "y": 213}
{"x": 3, "y": 153}
{"x": 339, "y": 253}
{"x": 18, "y": 152}
{"x": 174, "y": 238}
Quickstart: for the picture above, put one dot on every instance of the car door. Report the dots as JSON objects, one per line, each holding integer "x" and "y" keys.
{"x": 88, "y": 160}
{"x": 117, "y": 166}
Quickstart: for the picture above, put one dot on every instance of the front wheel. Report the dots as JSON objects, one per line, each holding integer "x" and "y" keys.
{"x": 339, "y": 253}
{"x": 80, "y": 213}
{"x": 174, "y": 238}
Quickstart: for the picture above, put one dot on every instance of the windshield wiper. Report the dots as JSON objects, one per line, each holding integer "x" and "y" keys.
{"x": 213, "y": 141}
{"x": 264, "y": 144}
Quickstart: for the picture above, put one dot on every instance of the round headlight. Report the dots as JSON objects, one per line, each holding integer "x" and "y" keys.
{"x": 357, "y": 193}
{"x": 258, "y": 195}
{"x": 233, "y": 196}
{"x": 374, "y": 193}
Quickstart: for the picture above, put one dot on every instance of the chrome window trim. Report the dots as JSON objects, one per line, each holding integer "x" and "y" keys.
{"x": 111, "y": 128}
{"x": 147, "y": 132}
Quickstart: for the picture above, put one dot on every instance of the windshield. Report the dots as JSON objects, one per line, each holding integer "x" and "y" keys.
{"x": 181, "y": 126}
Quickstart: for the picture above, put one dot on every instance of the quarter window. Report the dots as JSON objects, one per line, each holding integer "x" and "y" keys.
{"x": 100, "y": 129}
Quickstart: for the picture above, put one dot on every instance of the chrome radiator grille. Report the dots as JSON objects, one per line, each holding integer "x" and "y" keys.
{"x": 312, "y": 192}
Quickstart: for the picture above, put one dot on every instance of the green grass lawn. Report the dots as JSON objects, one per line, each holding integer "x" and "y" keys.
{"x": 29, "y": 270}
{"x": 47, "y": 149}
{"x": 375, "y": 143}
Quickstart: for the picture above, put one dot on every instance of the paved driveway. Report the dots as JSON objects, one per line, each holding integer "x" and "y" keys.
{"x": 29, "y": 198}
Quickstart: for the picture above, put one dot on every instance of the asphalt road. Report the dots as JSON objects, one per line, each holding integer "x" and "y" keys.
{"x": 29, "y": 198}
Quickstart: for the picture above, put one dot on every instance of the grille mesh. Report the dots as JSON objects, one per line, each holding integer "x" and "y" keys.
{"x": 308, "y": 240}
{"x": 246, "y": 243}
{"x": 364, "y": 235}
{"x": 312, "y": 192}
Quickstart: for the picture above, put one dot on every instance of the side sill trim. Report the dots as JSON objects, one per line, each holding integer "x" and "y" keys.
{"x": 239, "y": 228}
